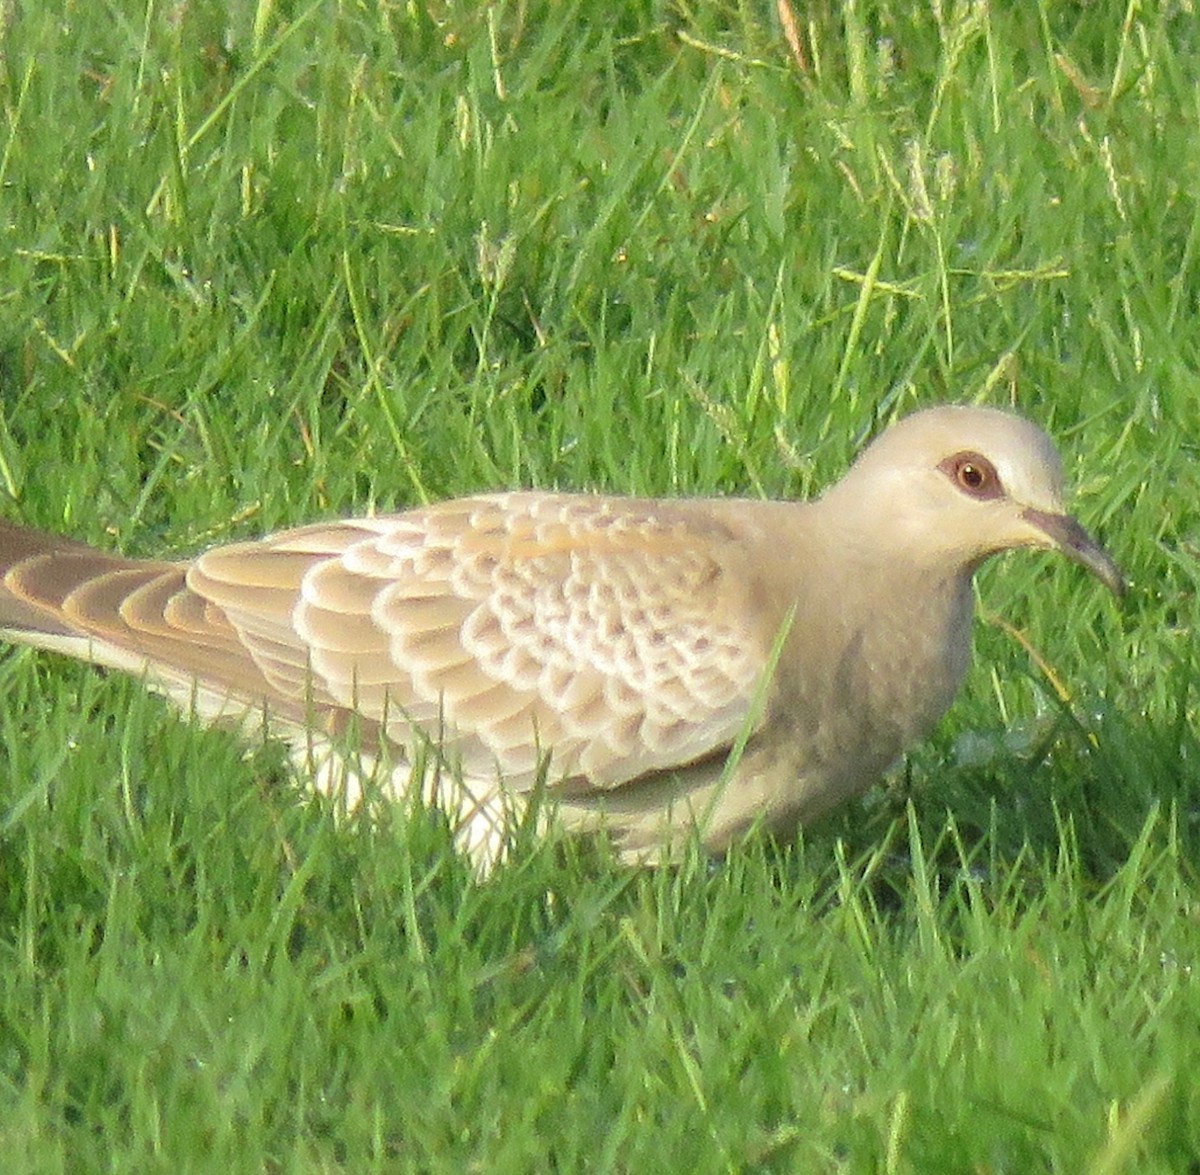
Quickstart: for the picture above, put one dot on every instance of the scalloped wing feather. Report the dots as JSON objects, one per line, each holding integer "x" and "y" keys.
{"x": 506, "y": 627}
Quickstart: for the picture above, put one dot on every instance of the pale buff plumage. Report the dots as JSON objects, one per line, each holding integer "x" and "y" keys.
{"x": 614, "y": 648}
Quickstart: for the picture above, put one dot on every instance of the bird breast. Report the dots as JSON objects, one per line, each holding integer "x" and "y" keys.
{"x": 877, "y": 682}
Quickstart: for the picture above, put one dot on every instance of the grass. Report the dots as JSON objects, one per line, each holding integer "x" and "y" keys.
{"x": 267, "y": 263}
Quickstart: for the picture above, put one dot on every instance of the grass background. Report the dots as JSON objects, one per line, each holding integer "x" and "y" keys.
{"x": 266, "y": 263}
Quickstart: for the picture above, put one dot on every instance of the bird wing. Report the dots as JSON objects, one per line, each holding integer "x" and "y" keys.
{"x": 504, "y": 627}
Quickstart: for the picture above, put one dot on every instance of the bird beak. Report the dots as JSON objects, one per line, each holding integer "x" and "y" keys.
{"x": 1073, "y": 541}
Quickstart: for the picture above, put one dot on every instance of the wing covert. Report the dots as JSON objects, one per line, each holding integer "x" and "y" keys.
{"x": 606, "y": 631}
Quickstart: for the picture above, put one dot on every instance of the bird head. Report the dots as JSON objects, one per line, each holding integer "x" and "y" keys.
{"x": 954, "y": 485}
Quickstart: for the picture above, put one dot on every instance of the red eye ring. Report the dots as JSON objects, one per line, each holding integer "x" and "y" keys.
{"x": 974, "y": 474}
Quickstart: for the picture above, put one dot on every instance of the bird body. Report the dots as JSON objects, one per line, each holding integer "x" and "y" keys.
{"x": 618, "y": 649}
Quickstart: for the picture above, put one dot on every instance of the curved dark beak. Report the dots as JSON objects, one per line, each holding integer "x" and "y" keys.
{"x": 1073, "y": 541}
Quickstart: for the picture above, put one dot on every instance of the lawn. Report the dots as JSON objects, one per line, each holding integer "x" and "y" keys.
{"x": 263, "y": 264}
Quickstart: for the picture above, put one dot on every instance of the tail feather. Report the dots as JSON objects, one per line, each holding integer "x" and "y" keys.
{"x": 60, "y": 594}
{"x": 143, "y": 617}
{"x": 58, "y": 564}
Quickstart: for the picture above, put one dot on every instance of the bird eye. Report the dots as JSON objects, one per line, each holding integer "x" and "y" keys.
{"x": 974, "y": 475}
{"x": 971, "y": 476}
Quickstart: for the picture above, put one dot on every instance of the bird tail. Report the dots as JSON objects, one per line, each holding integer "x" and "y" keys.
{"x": 137, "y": 616}
{"x": 141, "y": 617}
{"x": 59, "y": 594}
{"x": 39, "y": 573}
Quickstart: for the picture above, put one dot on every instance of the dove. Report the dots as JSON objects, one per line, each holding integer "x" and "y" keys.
{"x": 654, "y": 668}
